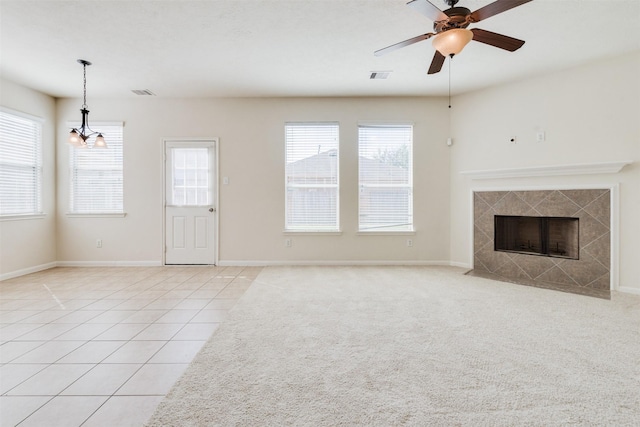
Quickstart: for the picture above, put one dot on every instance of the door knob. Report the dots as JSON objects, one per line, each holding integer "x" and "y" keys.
{"x": 212, "y": 210}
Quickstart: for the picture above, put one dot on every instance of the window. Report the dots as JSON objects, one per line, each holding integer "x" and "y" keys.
{"x": 96, "y": 175}
{"x": 385, "y": 157}
{"x": 190, "y": 177}
{"x": 311, "y": 177}
{"x": 20, "y": 164}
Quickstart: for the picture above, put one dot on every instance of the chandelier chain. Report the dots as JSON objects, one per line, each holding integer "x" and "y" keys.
{"x": 84, "y": 104}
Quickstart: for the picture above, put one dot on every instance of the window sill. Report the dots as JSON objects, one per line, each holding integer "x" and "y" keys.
{"x": 386, "y": 233}
{"x": 96, "y": 215}
{"x": 22, "y": 217}
{"x": 312, "y": 233}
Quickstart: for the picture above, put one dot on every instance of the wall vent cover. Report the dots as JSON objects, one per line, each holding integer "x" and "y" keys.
{"x": 143, "y": 92}
{"x": 379, "y": 75}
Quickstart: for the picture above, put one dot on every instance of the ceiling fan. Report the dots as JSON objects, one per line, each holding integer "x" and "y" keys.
{"x": 450, "y": 29}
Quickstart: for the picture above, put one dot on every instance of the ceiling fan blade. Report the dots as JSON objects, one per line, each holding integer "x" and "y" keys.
{"x": 497, "y": 40}
{"x": 427, "y": 8}
{"x": 436, "y": 63}
{"x": 495, "y": 8}
{"x": 411, "y": 41}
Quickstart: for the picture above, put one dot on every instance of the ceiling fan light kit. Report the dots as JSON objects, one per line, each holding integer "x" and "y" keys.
{"x": 451, "y": 42}
{"x": 451, "y": 34}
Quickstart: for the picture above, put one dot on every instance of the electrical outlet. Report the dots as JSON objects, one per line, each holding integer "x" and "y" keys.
{"x": 287, "y": 243}
{"x": 409, "y": 243}
{"x": 540, "y": 136}
{"x": 99, "y": 243}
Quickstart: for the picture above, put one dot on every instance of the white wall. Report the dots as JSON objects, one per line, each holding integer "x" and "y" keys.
{"x": 29, "y": 245}
{"x": 251, "y": 210}
{"x": 590, "y": 114}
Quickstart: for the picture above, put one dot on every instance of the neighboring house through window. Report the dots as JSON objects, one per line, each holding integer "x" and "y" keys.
{"x": 311, "y": 177}
{"x": 96, "y": 174}
{"x": 385, "y": 156}
{"x": 20, "y": 164}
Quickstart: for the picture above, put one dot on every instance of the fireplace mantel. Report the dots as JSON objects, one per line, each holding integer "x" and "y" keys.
{"x": 575, "y": 169}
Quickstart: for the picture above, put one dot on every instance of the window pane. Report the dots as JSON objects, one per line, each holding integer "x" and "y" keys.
{"x": 191, "y": 197}
{"x": 192, "y": 159}
{"x": 203, "y": 178}
{"x": 179, "y": 197}
{"x": 179, "y": 158}
{"x": 191, "y": 178}
{"x": 311, "y": 176}
{"x": 20, "y": 164}
{"x": 202, "y": 196}
{"x": 97, "y": 174}
{"x": 385, "y": 177}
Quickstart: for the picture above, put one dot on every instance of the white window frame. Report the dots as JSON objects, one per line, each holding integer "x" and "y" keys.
{"x": 367, "y": 227}
{"x": 28, "y": 160}
{"x": 114, "y": 136}
{"x": 300, "y": 153}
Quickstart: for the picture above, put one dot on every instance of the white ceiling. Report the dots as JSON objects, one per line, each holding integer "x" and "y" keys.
{"x": 241, "y": 48}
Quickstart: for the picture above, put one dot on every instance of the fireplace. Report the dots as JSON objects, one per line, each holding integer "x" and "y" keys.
{"x": 568, "y": 232}
{"x": 535, "y": 235}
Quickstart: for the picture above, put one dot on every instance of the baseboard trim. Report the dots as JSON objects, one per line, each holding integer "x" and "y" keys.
{"x": 628, "y": 290}
{"x": 109, "y": 264}
{"x": 29, "y": 270}
{"x": 460, "y": 264}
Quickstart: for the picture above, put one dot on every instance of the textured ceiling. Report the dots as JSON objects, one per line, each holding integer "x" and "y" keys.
{"x": 242, "y": 48}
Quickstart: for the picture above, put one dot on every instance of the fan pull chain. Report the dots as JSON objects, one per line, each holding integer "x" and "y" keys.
{"x": 450, "y": 62}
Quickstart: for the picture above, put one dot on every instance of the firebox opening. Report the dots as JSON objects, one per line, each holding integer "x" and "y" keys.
{"x": 544, "y": 236}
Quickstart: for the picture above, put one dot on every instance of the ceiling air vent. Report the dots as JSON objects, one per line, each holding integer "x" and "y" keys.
{"x": 379, "y": 75}
{"x": 143, "y": 92}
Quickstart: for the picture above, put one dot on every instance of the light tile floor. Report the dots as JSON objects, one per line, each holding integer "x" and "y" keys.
{"x": 103, "y": 346}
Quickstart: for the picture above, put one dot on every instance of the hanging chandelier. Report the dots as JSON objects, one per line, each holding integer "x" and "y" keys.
{"x": 78, "y": 136}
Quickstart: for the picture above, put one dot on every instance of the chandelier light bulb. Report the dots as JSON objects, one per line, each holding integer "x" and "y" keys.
{"x": 74, "y": 138}
{"x": 100, "y": 142}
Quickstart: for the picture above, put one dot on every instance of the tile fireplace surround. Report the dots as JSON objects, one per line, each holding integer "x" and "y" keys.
{"x": 589, "y": 275}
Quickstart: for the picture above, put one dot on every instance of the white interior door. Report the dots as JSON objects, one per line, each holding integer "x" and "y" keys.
{"x": 190, "y": 202}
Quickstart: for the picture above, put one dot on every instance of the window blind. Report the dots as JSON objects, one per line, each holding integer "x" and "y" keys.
{"x": 385, "y": 158}
{"x": 96, "y": 174}
{"x": 20, "y": 164}
{"x": 311, "y": 176}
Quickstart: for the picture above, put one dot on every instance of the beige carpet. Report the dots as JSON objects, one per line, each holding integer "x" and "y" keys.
{"x": 414, "y": 346}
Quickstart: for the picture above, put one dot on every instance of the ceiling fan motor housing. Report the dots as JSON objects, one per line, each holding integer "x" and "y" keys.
{"x": 458, "y": 18}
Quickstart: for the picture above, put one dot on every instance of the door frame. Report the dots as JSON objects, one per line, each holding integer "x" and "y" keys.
{"x": 216, "y": 193}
